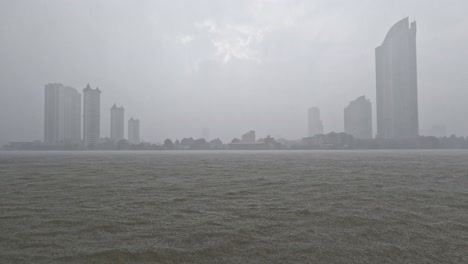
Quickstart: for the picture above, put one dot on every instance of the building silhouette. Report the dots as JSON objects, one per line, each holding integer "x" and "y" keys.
{"x": 91, "y": 116}
{"x": 396, "y": 81}
{"x": 358, "y": 118}
{"x": 134, "y": 131}
{"x": 248, "y": 137}
{"x": 314, "y": 123}
{"x": 62, "y": 116}
{"x": 117, "y": 123}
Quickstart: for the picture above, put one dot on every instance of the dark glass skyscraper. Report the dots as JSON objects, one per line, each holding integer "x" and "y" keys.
{"x": 397, "y": 85}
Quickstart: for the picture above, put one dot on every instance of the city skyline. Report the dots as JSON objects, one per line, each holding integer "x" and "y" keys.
{"x": 396, "y": 97}
{"x": 63, "y": 120}
{"x": 234, "y": 131}
{"x": 180, "y": 83}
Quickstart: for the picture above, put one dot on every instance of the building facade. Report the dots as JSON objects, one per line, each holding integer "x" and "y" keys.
{"x": 314, "y": 123}
{"x": 248, "y": 137}
{"x": 117, "y": 123}
{"x": 91, "y": 116}
{"x": 358, "y": 118}
{"x": 62, "y": 116}
{"x": 134, "y": 131}
{"x": 396, "y": 82}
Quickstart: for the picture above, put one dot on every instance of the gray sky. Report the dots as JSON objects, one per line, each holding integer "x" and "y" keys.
{"x": 231, "y": 66}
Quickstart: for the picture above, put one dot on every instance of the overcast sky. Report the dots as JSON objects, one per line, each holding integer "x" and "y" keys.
{"x": 230, "y": 66}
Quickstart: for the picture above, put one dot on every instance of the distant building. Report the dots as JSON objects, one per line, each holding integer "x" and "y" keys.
{"x": 248, "y": 143}
{"x": 315, "y": 125}
{"x": 397, "y": 85}
{"x": 206, "y": 134}
{"x": 358, "y": 118}
{"x": 62, "y": 116}
{"x": 248, "y": 137}
{"x": 117, "y": 123}
{"x": 91, "y": 116}
{"x": 134, "y": 131}
{"x": 329, "y": 141}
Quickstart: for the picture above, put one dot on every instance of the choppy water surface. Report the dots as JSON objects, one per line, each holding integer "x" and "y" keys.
{"x": 234, "y": 207}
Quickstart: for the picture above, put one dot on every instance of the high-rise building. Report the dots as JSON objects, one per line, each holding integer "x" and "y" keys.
{"x": 117, "y": 123}
{"x": 358, "y": 118}
{"x": 62, "y": 116}
{"x": 91, "y": 116}
{"x": 134, "y": 131}
{"x": 397, "y": 85}
{"x": 248, "y": 137}
{"x": 315, "y": 125}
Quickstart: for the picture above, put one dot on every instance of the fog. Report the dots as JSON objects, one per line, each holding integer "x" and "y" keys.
{"x": 231, "y": 66}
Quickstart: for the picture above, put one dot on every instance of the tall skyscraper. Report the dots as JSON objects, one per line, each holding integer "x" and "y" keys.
{"x": 134, "y": 131}
{"x": 397, "y": 85}
{"x": 358, "y": 118}
{"x": 315, "y": 125}
{"x": 62, "y": 116}
{"x": 91, "y": 116}
{"x": 117, "y": 123}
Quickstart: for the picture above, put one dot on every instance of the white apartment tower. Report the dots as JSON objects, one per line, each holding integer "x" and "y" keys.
{"x": 62, "y": 116}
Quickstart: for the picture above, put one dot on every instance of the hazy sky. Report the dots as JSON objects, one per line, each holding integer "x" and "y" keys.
{"x": 230, "y": 66}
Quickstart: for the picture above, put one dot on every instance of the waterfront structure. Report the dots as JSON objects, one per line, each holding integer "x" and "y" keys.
{"x": 396, "y": 82}
{"x": 134, "y": 131}
{"x": 358, "y": 118}
{"x": 62, "y": 115}
{"x": 331, "y": 140}
{"x": 91, "y": 116}
{"x": 251, "y": 146}
{"x": 117, "y": 123}
{"x": 315, "y": 124}
{"x": 248, "y": 137}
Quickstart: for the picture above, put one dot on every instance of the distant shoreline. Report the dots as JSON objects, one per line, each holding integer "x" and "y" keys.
{"x": 223, "y": 150}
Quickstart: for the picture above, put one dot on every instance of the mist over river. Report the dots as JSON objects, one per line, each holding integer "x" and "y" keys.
{"x": 234, "y": 207}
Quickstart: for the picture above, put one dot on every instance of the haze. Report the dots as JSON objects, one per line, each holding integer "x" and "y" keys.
{"x": 231, "y": 66}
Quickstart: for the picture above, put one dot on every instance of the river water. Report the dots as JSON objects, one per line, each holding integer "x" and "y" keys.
{"x": 234, "y": 207}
